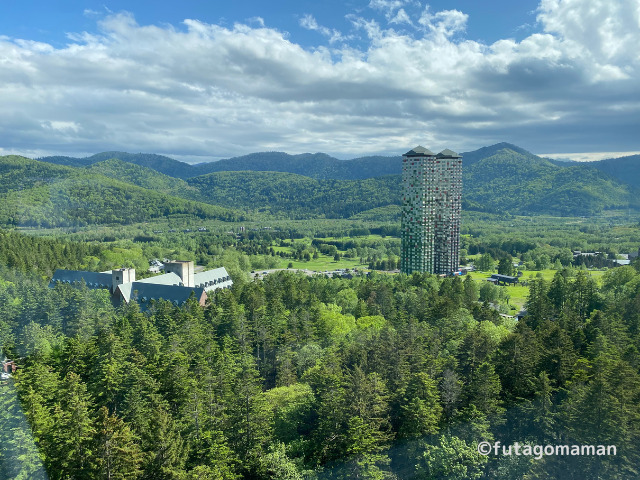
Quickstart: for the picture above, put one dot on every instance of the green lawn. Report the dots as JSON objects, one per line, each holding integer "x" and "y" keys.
{"x": 323, "y": 262}
{"x": 518, "y": 293}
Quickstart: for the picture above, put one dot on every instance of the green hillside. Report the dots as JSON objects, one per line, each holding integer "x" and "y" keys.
{"x": 20, "y": 173}
{"x": 625, "y": 169}
{"x": 498, "y": 178}
{"x": 314, "y": 165}
{"x": 296, "y": 196}
{"x": 510, "y": 181}
{"x": 143, "y": 177}
{"x": 159, "y": 163}
{"x": 34, "y": 193}
{"x": 470, "y": 158}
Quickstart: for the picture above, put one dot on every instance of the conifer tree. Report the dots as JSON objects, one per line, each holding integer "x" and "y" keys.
{"x": 116, "y": 449}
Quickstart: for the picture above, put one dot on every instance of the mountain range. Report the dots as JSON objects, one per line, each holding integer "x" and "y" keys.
{"x": 323, "y": 166}
{"x": 120, "y": 188}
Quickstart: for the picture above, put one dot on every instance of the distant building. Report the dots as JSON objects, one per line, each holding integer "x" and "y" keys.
{"x": 8, "y": 368}
{"x": 431, "y": 208}
{"x": 502, "y": 279}
{"x": 176, "y": 285}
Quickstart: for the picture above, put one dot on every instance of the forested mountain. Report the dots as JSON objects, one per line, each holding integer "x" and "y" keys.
{"x": 507, "y": 181}
{"x": 314, "y": 165}
{"x": 143, "y": 177}
{"x": 625, "y": 169}
{"x": 160, "y": 163}
{"x": 512, "y": 182}
{"x": 499, "y": 178}
{"x": 322, "y": 166}
{"x": 470, "y": 158}
{"x": 297, "y": 196}
{"x": 35, "y": 193}
{"x": 20, "y": 173}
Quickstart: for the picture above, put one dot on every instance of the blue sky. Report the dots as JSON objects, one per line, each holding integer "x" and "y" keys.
{"x": 50, "y": 21}
{"x": 200, "y": 80}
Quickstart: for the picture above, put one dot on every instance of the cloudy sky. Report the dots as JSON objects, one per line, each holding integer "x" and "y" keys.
{"x": 200, "y": 81}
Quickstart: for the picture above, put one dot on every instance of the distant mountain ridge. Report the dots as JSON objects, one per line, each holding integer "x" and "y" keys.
{"x": 34, "y": 193}
{"x": 321, "y": 165}
{"x": 159, "y": 163}
{"x": 314, "y": 165}
{"x": 509, "y": 181}
{"x": 625, "y": 169}
{"x": 142, "y": 176}
{"x": 497, "y": 178}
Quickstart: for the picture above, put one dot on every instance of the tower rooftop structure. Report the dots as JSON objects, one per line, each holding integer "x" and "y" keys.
{"x": 446, "y": 153}
{"x": 417, "y": 151}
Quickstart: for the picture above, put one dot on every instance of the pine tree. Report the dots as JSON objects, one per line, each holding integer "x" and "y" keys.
{"x": 19, "y": 456}
{"x": 116, "y": 451}
{"x": 471, "y": 293}
{"x": 165, "y": 450}
{"x": 541, "y": 411}
{"x": 537, "y": 304}
{"x": 517, "y": 362}
{"x": 421, "y": 412}
{"x": 484, "y": 390}
{"x": 71, "y": 454}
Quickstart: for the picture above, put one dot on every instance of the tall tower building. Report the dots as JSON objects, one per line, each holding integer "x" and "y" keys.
{"x": 431, "y": 207}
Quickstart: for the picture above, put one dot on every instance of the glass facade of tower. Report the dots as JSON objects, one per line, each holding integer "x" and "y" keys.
{"x": 431, "y": 207}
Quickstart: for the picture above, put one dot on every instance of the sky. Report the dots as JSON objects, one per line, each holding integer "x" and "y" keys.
{"x": 204, "y": 80}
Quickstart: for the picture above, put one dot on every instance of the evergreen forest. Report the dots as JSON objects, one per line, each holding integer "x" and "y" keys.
{"x": 297, "y": 377}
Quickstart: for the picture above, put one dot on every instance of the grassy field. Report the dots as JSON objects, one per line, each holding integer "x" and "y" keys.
{"x": 518, "y": 293}
{"x": 322, "y": 263}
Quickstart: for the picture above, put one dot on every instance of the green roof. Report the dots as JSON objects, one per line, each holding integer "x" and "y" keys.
{"x": 419, "y": 151}
{"x": 164, "y": 279}
{"x": 448, "y": 154}
{"x": 145, "y": 292}
{"x": 206, "y": 279}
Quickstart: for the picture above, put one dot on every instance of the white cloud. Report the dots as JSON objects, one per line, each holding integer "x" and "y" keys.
{"x": 445, "y": 23}
{"x": 91, "y": 13}
{"x": 401, "y": 17}
{"x": 257, "y": 20}
{"x": 310, "y": 23}
{"x": 199, "y": 89}
{"x": 587, "y": 157}
{"x": 606, "y": 30}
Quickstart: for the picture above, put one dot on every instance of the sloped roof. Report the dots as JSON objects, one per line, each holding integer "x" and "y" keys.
{"x": 166, "y": 286}
{"x": 145, "y": 292}
{"x": 419, "y": 150}
{"x": 498, "y": 276}
{"x": 446, "y": 153}
{"x": 92, "y": 279}
{"x": 164, "y": 279}
{"x": 207, "y": 279}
